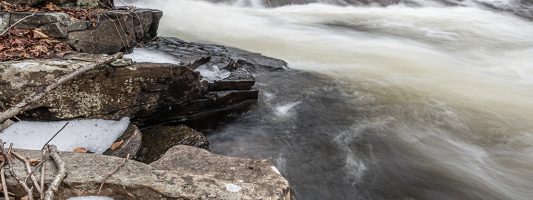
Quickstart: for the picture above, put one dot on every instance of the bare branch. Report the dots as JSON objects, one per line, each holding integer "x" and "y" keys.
{"x": 111, "y": 174}
{"x": 4, "y": 184}
{"x": 28, "y": 169}
{"x": 55, "y": 135}
{"x": 14, "y": 24}
{"x": 61, "y": 174}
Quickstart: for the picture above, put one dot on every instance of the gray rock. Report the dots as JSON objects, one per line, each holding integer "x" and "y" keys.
{"x": 139, "y": 90}
{"x": 117, "y": 30}
{"x": 78, "y": 25}
{"x": 37, "y": 20}
{"x": 184, "y": 172}
{"x": 160, "y": 139}
{"x": 4, "y": 21}
{"x": 146, "y": 23}
{"x": 27, "y": 2}
{"x": 88, "y": 3}
{"x": 130, "y": 143}
{"x": 57, "y": 30}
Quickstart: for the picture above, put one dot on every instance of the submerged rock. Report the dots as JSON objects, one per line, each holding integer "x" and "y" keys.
{"x": 158, "y": 140}
{"x": 182, "y": 173}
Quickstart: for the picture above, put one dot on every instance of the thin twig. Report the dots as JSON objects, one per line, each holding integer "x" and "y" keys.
{"x": 111, "y": 174}
{"x": 28, "y": 169}
{"x": 19, "y": 181}
{"x": 45, "y": 144}
{"x": 4, "y": 184}
{"x": 43, "y": 159}
{"x": 61, "y": 173}
{"x": 13, "y": 25}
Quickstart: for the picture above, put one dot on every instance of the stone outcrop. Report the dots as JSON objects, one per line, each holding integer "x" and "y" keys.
{"x": 117, "y": 30}
{"x": 182, "y": 173}
{"x": 107, "y": 93}
{"x": 151, "y": 93}
{"x": 160, "y": 139}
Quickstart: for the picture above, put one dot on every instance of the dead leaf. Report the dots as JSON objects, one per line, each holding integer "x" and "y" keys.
{"x": 25, "y": 198}
{"x": 34, "y": 162}
{"x": 38, "y": 34}
{"x": 116, "y": 144}
{"x": 80, "y": 150}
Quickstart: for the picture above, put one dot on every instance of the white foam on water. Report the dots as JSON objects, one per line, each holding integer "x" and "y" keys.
{"x": 94, "y": 135}
{"x": 283, "y": 110}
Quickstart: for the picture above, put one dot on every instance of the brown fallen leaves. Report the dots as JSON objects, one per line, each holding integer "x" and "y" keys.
{"x": 116, "y": 144}
{"x": 75, "y": 13}
{"x": 24, "y": 44}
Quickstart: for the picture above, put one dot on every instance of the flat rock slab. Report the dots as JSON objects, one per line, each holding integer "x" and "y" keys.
{"x": 184, "y": 172}
{"x": 106, "y": 93}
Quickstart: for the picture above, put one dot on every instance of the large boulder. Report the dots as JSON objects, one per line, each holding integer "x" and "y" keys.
{"x": 182, "y": 173}
{"x": 106, "y": 93}
{"x": 117, "y": 30}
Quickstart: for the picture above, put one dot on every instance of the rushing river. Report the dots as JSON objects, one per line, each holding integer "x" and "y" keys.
{"x": 417, "y": 100}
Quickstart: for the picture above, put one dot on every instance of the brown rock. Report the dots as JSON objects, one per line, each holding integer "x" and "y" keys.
{"x": 160, "y": 139}
{"x": 127, "y": 144}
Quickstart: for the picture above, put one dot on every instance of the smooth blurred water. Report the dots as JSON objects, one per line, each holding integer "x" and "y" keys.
{"x": 408, "y": 101}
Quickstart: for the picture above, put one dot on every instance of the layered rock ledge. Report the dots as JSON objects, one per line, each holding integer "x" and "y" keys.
{"x": 182, "y": 173}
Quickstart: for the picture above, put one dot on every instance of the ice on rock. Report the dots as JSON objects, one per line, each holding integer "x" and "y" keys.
{"x": 95, "y": 135}
{"x": 212, "y": 73}
{"x": 151, "y": 56}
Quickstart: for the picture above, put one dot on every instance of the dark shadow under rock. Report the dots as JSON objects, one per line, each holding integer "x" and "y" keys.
{"x": 158, "y": 140}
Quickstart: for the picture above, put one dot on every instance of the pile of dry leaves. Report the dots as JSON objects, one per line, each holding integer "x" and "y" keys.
{"x": 75, "y": 13}
{"x": 19, "y": 44}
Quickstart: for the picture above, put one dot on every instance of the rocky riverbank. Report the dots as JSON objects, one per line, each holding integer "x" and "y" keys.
{"x": 164, "y": 87}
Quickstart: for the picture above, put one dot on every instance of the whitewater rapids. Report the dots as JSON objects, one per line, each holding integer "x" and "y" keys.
{"x": 396, "y": 102}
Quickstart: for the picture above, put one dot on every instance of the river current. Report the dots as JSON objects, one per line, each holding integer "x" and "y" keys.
{"x": 406, "y": 100}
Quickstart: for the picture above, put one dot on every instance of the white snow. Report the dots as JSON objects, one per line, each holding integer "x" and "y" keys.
{"x": 90, "y": 198}
{"x": 151, "y": 56}
{"x": 95, "y": 135}
{"x": 212, "y": 73}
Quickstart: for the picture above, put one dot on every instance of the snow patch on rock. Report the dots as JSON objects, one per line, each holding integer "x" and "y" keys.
{"x": 151, "y": 56}
{"x": 94, "y": 135}
{"x": 212, "y": 73}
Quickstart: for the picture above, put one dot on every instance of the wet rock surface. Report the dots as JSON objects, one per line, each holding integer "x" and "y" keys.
{"x": 182, "y": 173}
{"x": 160, "y": 139}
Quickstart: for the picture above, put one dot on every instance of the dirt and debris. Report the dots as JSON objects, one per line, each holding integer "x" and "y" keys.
{"x": 19, "y": 44}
